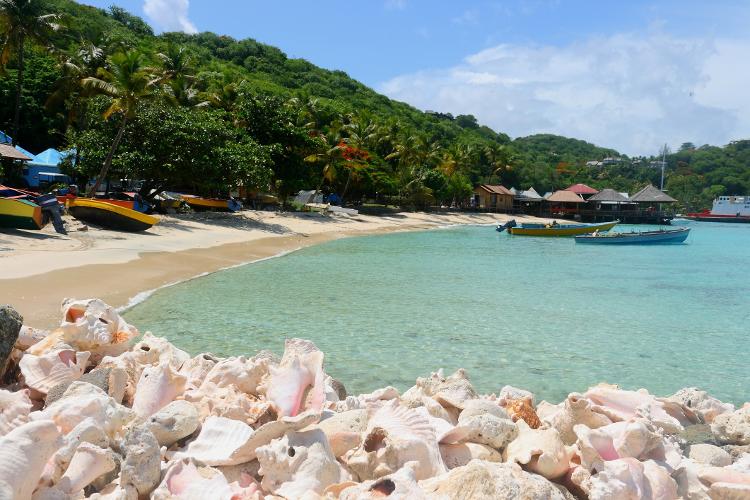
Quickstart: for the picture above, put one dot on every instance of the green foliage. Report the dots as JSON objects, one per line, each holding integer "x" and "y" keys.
{"x": 207, "y": 112}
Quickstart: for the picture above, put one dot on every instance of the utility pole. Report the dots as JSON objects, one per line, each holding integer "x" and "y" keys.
{"x": 663, "y": 165}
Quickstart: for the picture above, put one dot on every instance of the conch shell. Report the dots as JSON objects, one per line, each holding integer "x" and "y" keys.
{"x": 44, "y": 372}
{"x": 540, "y": 451}
{"x": 14, "y": 410}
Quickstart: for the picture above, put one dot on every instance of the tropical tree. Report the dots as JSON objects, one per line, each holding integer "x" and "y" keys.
{"x": 22, "y": 21}
{"x": 127, "y": 83}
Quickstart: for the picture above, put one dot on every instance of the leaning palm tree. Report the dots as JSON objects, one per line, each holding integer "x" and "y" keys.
{"x": 127, "y": 82}
{"x": 22, "y": 21}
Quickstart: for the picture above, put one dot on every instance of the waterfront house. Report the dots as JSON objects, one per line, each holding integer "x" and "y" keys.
{"x": 563, "y": 203}
{"x": 494, "y": 198}
{"x": 582, "y": 190}
{"x": 528, "y": 202}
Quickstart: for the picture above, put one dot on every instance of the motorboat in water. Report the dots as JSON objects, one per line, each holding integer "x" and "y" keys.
{"x": 661, "y": 236}
{"x": 555, "y": 229}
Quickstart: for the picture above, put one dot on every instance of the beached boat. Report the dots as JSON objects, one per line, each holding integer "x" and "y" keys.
{"x": 200, "y": 203}
{"x": 661, "y": 236}
{"x": 124, "y": 200}
{"x": 732, "y": 209}
{"x": 110, "y": 216}
{"x": 18, "y": 213}
{"x": 555, "y": 229}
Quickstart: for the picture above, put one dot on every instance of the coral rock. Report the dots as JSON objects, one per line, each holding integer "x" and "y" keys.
{"x": 483, "y": 429}
{"x": 733, "y": 428}
{"x": 458, "y": 455}
{"x": 487, "y": 480}
{"x": 140, "y": 469}
{"x": 708, "y": 454}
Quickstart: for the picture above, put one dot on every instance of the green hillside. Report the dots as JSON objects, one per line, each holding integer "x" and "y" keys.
{"x": 207, "y": 112}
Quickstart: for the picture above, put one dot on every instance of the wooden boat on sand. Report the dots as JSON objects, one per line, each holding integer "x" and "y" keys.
{"x": 661, "y": 236}
{"x": 555, "y": 229}
{"x": 199, "y": 203}
{"x": 110, "y": 216}
{"x": 18, "y": 213}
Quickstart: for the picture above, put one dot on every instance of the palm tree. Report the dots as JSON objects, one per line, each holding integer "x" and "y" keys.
{"x": 330, "y": 157}
{"x": 127, "y": 82}
{"x": 22, "y": 21}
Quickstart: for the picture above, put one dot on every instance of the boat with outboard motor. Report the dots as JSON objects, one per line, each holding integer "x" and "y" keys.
{"x": 555, "y": 229}
{"x": 661, "y": 236}
{"x": 110, "y": 216}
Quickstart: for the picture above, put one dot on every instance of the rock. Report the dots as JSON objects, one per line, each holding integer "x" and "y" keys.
{"x": 458, "y": 455}
{"x": 10, "y": 326}
{"x": 709, "y": 454}
{"x": 487, "y": 480}
{"x": 485, "y": 429}
{"x": 175, "y": 421}
{"x": 140, "y": 469}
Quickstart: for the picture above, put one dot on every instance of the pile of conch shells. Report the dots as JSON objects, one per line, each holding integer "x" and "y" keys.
{"x": 94, "y": 410}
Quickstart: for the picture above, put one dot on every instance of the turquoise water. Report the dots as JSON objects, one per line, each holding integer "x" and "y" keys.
{"x": 542, "y": 314}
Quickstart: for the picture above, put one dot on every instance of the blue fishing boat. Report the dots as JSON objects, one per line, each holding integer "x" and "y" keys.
{"x": 661, "y": 236}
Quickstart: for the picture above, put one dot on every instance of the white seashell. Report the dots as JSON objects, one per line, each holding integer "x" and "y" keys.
{"x": 510, "y": 393}
{"x": 485, "y": 429}
{"x": 42, "y": 373}
{"x": 24, "y": 451}
{"x": 158, "y": 386}
{"x": 224, "y": 441}
{"x": 344, "y": 430}
{"x": 540, "y": 450}
{"x": 86, "y": 432}
{"x": 452, "y": 391}
{"x": 185, "y": 480}
{"x": 175, "y": 421}
{"x": 245, "y": 374}
{"x": 636, "y": 439}
{"x": 362, "y": 401}
{"x": 81, "y": 401}
{"x": 88, "y": 463}
{"x": 299, "y": 373}
{"x": 619, "y": 405}
{"x": 196, "y": 369}
{"x": 458, "y": 455}
{"x": 573, "y": 411}
{"x": 14, "y": 409}
{"x": 396, "y": 435}
{"x": 401, "y": 484}
{"x": 629, "y": 479}
{"x": 297, "y": 463}
{"x": 481, "y": 479}
{"x": 700, "y": 402}
{"x": 481, "y": 407}
{"x": 229, "y": 402}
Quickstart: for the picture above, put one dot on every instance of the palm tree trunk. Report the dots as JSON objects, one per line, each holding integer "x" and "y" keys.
{"x": 19, "y": 89}
{"x": 108, "y": 161}
{"x": 346, "y": 187}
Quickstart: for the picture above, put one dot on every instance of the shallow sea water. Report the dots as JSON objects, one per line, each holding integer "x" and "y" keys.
{"x": 543, "y": 314}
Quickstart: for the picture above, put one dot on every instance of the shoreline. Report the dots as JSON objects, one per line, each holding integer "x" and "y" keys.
{"x": 124, "y": 276}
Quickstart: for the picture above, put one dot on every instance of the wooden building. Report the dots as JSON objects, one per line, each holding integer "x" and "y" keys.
{"x": 493, "y": 198}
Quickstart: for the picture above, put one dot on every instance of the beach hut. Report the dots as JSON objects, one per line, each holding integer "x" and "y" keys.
{"x": 651, "y": 195}
{"x": 9, "y": 153}
{"x": 608, "y": 204}
{"x": 495, "y": 198}
{"x": 528, "y": 202}
{"x": 582, "y": 190}
{"x": 44, "y": 169}
{"x": 563, "y": 203}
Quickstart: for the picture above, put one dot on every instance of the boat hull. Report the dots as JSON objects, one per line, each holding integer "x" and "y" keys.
{"x": 562, "y": 230}
{"x": 110, "y": 216}
{"x": 642, "y": 238}
{"x": 731, "y": 219}
{"x": 197, "y": 203}
{"x": 20, "y": 214}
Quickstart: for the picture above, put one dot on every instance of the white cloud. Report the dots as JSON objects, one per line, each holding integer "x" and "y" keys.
{"x": 395, "y": 4}
{"x": 169, "y": 15}
{"x": 628, "y": 91}
{"x": 468, "y": 17}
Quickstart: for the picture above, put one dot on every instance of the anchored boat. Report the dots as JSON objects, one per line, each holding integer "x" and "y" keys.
{"x": 662, "y": 236}
{"x": 110, "y": 216}
{"x": 734, "y": 209}
{"x": 555, "y": 229}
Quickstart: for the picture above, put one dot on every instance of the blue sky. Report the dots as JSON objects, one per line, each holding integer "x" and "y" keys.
{"x": 627, "y": 74}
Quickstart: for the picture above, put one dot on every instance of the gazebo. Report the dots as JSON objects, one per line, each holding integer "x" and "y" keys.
{"x": 650, "y": 194}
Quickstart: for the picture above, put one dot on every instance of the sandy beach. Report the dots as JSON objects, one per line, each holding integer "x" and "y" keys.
{"x": 38, "y": 268}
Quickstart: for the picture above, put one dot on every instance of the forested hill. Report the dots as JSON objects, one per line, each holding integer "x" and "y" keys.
{"x": 208, "y": 112}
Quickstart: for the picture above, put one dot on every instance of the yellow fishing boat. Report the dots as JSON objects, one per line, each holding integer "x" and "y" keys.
{"x": 561, "y": 229}
{"x": 110, "y": 216}
{"x": 200, "y": 203}
{"x": 20, "y": 214}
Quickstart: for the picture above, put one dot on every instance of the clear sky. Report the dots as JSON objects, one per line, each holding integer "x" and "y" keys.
{"x": 626, "y": 74}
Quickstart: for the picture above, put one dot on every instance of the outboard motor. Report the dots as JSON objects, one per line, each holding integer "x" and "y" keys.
{"x": 502, "y": 227}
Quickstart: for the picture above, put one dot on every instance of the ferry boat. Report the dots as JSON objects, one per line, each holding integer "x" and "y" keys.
{"x": 725, "y": 209}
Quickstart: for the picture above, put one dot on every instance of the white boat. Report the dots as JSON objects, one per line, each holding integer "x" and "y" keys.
{"x": 725, "y": 209}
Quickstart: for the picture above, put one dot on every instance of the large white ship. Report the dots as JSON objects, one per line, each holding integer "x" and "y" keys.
{"x": 726, "y": 209}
